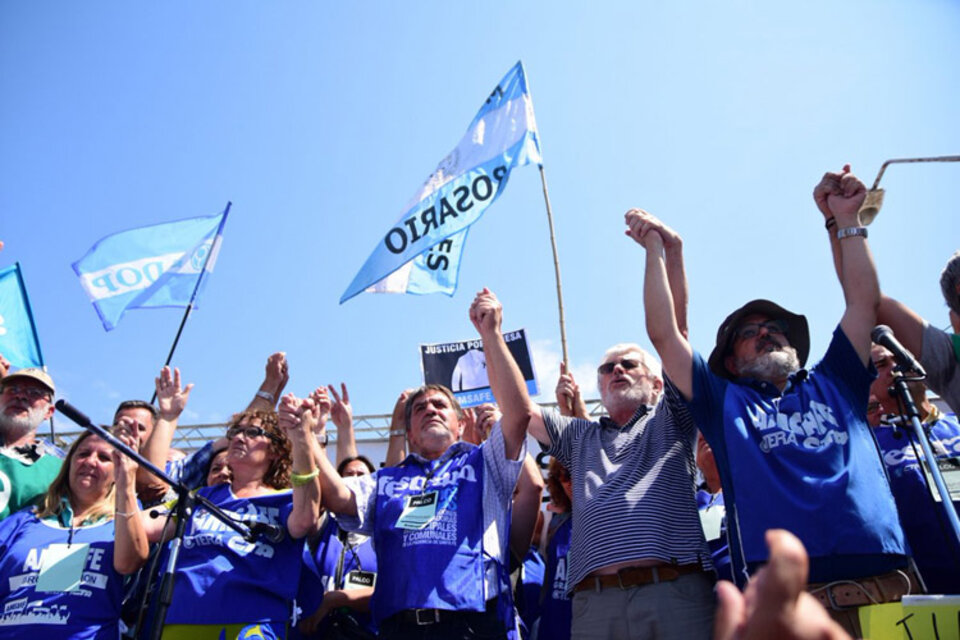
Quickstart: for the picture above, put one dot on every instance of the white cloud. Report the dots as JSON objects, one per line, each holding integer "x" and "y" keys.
{"x": 547, "y": 360}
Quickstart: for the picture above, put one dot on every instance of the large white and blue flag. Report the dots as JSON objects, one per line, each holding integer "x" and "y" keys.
{"x": 18, "y": 333}
{"x": 421, "y": 253}
{"x": 151, "y": 267}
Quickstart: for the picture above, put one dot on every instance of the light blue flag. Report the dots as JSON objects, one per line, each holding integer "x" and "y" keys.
{"x": 421, "y": 253}
{"x": 18, "y": 334}
{"x": 151, "y": 267}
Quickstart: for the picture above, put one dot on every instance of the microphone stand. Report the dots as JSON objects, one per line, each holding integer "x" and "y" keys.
{"x": 186, "y": 502}
{"x": 901, "y": 391}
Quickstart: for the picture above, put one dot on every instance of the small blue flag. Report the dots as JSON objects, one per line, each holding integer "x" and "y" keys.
{"x": 421, "y": 253}
{"x": 18, "y": 335}
{"x": 151, "y": 267}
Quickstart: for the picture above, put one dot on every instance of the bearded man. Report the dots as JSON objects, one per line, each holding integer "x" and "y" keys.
{"x": 792, "y": 445}
{"x": 27, "y": 465}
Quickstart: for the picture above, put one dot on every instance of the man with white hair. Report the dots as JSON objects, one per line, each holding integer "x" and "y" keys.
{"x": 639, "y": 565}
{"x": 27, "y": 465}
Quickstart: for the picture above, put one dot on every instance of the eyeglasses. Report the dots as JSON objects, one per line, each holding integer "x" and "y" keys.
{"x": 626, "y": 363}
{"x": 752, "y": 329}
{"x": 249, "y": 432}
{"x": 31, "y": 393}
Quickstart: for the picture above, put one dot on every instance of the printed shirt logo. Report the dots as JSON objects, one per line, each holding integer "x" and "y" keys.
{"x": 812, "y": 429}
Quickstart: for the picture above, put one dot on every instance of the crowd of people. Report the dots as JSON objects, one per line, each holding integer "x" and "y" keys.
{"x": 803, "y": 488}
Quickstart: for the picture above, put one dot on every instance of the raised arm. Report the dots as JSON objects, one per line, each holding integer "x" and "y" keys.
{"x": 304, "y": 472}
{"x": 275, "y": 377}
{"x": 906, "y": 324}
{"x": 658, "y": 300}
{"x": 839, "y": 196}
{"x": 336, "y": 496}
{"x": 506, "y": 381}
{"x": 342, "y": 415}
{"x": 130, "y": 540}
{"x": 526, "y": 506}
{"x": 397, "y": 444}
{"x": 171, "y": 400}
{"x": 569, "y": 400}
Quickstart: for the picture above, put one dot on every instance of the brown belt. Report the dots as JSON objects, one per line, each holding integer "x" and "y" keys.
{"x": 889, "y": 587}
{"x": 636, "y": 576}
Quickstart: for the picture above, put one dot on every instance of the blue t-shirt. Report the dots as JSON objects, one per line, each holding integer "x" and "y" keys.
{"x": 802, "y": 460}
{"x": 223, "y": 579}
{"x": 935, "y": 549}
{"x": 711, "y": 507}
{"x": 555, "y": 611}
{"x": 320, "y": 562}
{"x": 41, "y": 607}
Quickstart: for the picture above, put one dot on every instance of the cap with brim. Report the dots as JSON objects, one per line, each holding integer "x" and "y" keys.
{"x": 798, "y": 333}
{"x": 33, "y": 373}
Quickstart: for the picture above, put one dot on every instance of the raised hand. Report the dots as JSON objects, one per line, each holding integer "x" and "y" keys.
{"x": 486, "y": 312}
{"x": 277, "y": 373}
{"x": 568, "y": 391}
{"x": 171, "y": 398}
{"x": 648, "y": 231}
{"x": 840, "y": 195}
{"x": 487, "y": 415}
{"x": 125, "y": 467}
{"x": 341, "y": 412}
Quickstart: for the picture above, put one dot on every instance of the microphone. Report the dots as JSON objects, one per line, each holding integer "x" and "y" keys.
{"x": 271, "y": 532}
{"x": 883, "y": 335}
{"x": 72, "y": 412}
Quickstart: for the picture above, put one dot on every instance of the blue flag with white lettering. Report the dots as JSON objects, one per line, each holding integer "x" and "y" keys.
{"x": 18, "y": 335}
{"x": 151, "y": 267}
{"x": 421, "y": 252}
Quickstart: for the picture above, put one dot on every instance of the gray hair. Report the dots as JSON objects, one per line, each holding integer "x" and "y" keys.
{"x": 647, "y": 361}
{"x": 949, "y": 280}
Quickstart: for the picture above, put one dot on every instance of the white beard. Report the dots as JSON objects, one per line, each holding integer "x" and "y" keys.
{"x": 773, "y": 365}
{"x": 15, "y": 427}
{"x": 622, "y": 400}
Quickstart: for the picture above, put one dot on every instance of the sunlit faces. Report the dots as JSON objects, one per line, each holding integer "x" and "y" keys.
{"x": 355, "y": 468}
{"x": 883, "y": 361}
{"x": 219, "y": 469}
{"x": 142, "y": 417}
{"x": 24, "y": 404}
{"x": 91, "y": 468}
{"x": 625, "y": 382}
{"x": 760, "y": 349}
{"x": 433, "y": 418}
{"x": 245, "y": 448}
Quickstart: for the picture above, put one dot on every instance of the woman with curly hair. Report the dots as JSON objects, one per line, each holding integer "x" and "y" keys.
{"x": 225, "y": 586}
{"x": 62, "y": 563}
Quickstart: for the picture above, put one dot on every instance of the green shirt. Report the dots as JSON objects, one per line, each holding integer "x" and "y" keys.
{"x": 22, "y": 480}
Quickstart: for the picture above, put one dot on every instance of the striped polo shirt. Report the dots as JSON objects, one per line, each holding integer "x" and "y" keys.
{"x": 634, "y": 494}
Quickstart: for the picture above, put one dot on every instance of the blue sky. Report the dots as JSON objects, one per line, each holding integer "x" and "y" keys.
{"x": 319, "y": 121}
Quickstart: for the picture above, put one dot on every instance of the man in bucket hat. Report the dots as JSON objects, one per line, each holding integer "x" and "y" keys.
{"x": 792, "y": 445}
{"x": 27, "y": 465}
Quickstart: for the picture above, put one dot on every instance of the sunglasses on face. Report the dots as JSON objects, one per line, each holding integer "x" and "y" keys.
{"x": 752, "y": 329}
{"x": 626, "y": 363}
{"x": 31, "y": 393}
{"x": 249, "y": 432}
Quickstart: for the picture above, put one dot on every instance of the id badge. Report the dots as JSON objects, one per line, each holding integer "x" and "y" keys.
{"x": 950, "y": 470}
{"x": 418, "y": 511}
{"x": 711, "y": 519}
{"x": 357, "y": 579}
{"x": 62, "y": 567}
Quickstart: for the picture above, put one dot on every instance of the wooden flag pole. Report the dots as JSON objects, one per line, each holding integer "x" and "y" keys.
{"x": 556, "y": 269}
{"x": 193, "y": 296}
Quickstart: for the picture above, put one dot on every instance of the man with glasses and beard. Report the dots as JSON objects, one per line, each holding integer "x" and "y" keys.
{"x": 638, "y": 565}
{"x": 27, "y": 465}
{"x": 792, "y": 445}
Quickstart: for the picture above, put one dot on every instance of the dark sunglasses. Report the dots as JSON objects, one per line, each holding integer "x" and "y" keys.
{"x": 249, "y": 432}
{"x": 607, "y": 367}
{"x": 752, "y": 329}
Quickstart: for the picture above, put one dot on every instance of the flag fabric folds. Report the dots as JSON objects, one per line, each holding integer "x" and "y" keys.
{"x": 18, "y": 334}
{"x": 421, "y": 253}
{"x": 151, "y": 267}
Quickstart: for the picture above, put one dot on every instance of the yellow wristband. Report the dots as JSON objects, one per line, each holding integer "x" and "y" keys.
{"x": 300, "y": 479}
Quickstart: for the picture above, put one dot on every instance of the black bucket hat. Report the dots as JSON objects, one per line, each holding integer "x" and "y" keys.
{"x": 798, "y": 333}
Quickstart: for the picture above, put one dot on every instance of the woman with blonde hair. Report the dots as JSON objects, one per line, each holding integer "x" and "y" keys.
{"x": 62, "y": 563}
